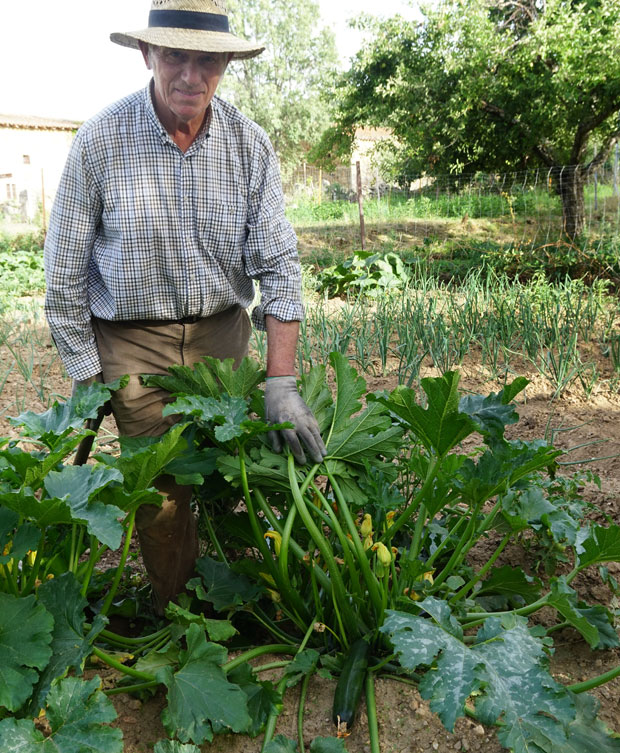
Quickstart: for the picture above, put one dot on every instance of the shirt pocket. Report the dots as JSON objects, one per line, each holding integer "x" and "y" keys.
{"x": 222, "y": 233}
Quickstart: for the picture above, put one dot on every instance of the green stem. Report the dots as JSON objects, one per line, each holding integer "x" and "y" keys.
{"x": 339, "y": 594}
{"x": 478, "y": 618}
{"x": 595, "y": 682}
{"x": 9, "y": 577}
{"x": 78, "y": 548}
{"x": 112, "y": 662}
{"x": 372, "y": 584}
{"x": 272, "y": 665}
{"x": 371, "y": 707}
{"x": 274, "y": 648}
{"x": 34, "y": 574}
{"x": 210, "y": 530}
{"x": 431, "y": 560}
{"x": 131, "y": 519}
{"x": 483, "y": 570}
{"x": 300, "y": 711}
{"x": 132, "y": 688}
{"x": 414, "y": 549}
{"x": 460, "y": 550}
{"x": 95, "y": 555}
{"x": 122, "y": 640}
{"x": 415, "y": 503}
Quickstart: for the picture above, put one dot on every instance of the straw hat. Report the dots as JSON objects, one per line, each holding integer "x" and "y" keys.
{"x": 189, "y": 25}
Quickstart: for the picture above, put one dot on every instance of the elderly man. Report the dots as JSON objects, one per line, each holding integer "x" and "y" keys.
{"x": 169, "y": 207}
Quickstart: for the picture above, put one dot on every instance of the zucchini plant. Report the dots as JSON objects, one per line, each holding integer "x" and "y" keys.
{"x": 360, "y": 565}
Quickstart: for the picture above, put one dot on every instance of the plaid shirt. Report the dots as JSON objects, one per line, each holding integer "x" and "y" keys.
{"x": 141, "y": 230}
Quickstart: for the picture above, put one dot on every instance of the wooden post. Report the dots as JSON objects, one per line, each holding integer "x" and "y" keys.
{"x": 320, "y": 185}
{"x": 360, "y": 203}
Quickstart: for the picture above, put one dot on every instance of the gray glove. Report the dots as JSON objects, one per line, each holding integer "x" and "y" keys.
{"x": 284, "y": 403}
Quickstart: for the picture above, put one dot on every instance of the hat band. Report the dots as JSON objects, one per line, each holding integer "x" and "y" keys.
{"x": 188, "y": 19}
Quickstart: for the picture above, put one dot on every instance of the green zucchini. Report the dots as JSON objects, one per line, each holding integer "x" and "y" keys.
{"x": 349, "y": 687}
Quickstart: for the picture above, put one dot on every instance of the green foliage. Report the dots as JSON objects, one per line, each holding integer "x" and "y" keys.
{"x": 367, "y": 273}
{"x": 281, "y": 89}
{"x": 78, "y": 713}
{"x": 21, "y": 266}
{"x": 471, "y": 90}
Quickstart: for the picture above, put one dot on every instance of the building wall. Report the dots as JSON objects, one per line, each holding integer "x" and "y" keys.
{"x": 30, "y": 160}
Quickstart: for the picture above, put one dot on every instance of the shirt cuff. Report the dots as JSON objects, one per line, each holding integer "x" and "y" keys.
{"x": 285, "y": 310}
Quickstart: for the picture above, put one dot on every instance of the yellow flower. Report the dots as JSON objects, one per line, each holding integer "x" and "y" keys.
{"x": 367, "y": 542}
{"x": 267, "y": 577}
{"x": 275, "y": 596}
{"x": 384, "y": 555}
{"x": 390, "y": 517}
{"x": 429, "y": 576}
{"x": 366, "y": 527}
{"x": 277, "y": 540}
{"x": 30, "y": 557}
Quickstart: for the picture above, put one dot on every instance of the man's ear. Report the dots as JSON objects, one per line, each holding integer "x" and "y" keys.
{"x": 144, "y": 49}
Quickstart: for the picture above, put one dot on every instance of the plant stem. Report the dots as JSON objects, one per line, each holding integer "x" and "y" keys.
{"x": 121, "y": 565}
{"x": 483, "y": 570}
{"x": 371, "y": 707}
{"x": 132, "y": 688}
{"x": 95, "y": 555}
{"x": 415, "y": 503}
{"x": 300, "y": 711}
{"x": 214, "y": 540}
{"x": 595, "y": 682}
{"x": 339, "y": 594}
{"x": 112, "y": 662}
{"x": 274, "y": 648}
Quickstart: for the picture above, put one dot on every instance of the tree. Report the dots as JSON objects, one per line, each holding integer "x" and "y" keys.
{"x": 281, "y": 89}
{"x": 492, "y": 85}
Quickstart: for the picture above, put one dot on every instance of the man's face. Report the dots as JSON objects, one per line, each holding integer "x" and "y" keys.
{"x": 185, "y": 81}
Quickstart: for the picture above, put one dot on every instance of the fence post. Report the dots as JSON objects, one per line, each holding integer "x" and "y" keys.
{"x": 360, "y": 204}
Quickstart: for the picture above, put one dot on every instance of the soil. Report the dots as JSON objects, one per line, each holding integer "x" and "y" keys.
{"x": 588, "y": 428}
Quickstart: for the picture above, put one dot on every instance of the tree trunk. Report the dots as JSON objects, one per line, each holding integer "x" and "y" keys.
{"x": 569, "y": 184}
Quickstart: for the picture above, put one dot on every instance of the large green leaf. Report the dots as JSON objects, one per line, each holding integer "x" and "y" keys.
{"x": 596, "y": 624}
{"x": 142, "y": 462}
{"x": 16, "y": 541}
{"x": 78, "y": 713}
{"x": 199, "y": 693}
{"x": 25, "y": 638}
{"x": 44, "y": 512}
{"x": 511, "y": 581}
{"x": 507, "y": 666}
{"x": 78, "y": 486}
{"x": 262, "y": 698}
{"x": 493, "y": 413}
{"x": 224, "y": 588}
{"x": 602, "y": 545}
{"x": 441, "y": 426}
{"x": 229, "y": 415}
{"x": 366, "y": 435}
{"x": 63, "y": 418}
{"x": 281, "y": 744}
{"x": 318, "y": 397}
{"x": 210, "y": 378}
{"x": 70, "y": 644}
{"x": 587, "y": 733}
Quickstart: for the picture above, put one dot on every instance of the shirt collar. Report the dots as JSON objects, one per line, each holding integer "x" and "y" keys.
{"x": 203, "y": 134}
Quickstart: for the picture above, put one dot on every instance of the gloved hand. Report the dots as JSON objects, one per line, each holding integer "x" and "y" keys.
{"x": 284, "y": 403}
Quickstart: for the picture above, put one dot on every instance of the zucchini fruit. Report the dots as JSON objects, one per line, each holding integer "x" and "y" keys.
{"x": 349, "y": 687}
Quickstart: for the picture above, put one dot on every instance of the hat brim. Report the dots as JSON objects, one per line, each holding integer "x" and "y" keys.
{"x": 189, "y": 39}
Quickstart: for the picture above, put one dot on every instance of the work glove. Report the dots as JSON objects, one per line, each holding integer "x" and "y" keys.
{"x": 283, "y": 403}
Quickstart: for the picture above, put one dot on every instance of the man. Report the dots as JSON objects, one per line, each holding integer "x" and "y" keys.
{"x": 169, "y": 207}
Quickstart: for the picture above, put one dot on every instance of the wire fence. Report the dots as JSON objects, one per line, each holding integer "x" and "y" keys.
{"x": 528, "y": 202}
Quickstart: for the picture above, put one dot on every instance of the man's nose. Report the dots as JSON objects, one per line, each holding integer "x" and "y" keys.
{"x": 191, "y": 72}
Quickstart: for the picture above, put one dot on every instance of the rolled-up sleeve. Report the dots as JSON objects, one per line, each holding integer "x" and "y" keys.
{"x": 75, "y": 215}
{"x": 270, "y": 252}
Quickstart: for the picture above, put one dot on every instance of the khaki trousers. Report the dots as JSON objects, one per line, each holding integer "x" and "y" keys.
{"x": 167, "y": 534}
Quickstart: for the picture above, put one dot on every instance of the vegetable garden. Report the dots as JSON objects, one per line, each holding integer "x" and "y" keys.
{"x": 447, "y": 579}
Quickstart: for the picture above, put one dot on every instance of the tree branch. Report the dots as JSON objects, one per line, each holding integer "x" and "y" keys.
{"x": 540, "y": 149}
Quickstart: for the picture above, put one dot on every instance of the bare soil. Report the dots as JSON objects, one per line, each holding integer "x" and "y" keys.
{"x": 587, "y": 428}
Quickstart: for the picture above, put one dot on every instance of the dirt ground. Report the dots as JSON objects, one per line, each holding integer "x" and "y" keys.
{"x": 587, "y": 428}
